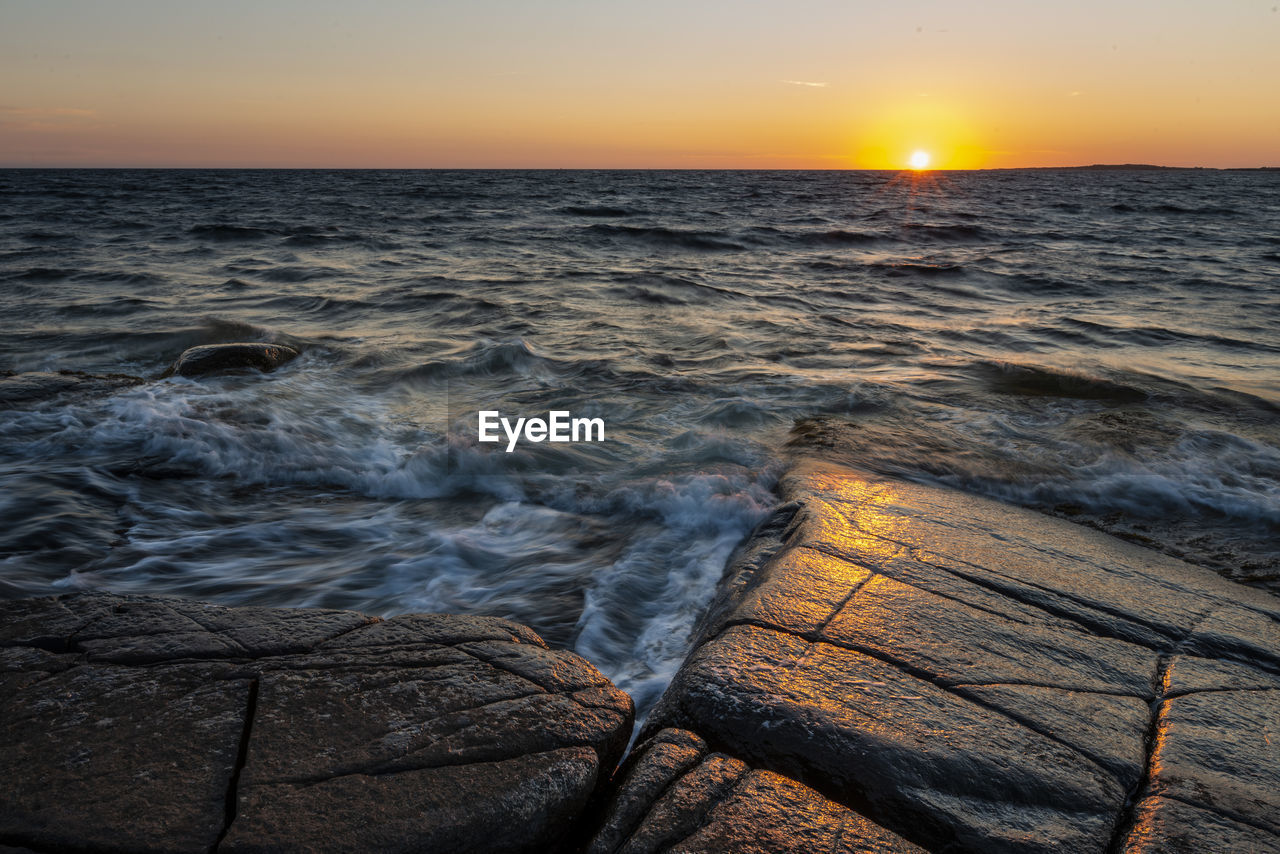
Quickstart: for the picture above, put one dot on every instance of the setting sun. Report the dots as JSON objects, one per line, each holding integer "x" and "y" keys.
{"x": 919, "y": 160}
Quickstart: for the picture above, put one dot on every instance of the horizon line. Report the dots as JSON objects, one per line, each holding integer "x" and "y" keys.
{"x": 1096, "y": 166}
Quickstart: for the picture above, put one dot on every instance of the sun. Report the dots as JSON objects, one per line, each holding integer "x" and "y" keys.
{"x": 919, "y": 160}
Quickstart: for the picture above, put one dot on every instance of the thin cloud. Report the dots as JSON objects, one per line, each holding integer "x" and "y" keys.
{"x": 46, "y": 112}
{"x": 806, "y": 83}
{"x": 46, "y": 120}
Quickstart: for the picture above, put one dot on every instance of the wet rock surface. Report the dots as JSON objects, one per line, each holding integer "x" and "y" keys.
{"x": 676, "y": 794}
{"x": 220, "y": 358}
{"x": 34, "y": 387}
{"x": 131, "y": 723}
{"x": 977, "y": 677}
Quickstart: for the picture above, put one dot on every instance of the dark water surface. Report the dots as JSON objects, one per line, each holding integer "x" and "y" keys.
{"x": 1099, "y": 345}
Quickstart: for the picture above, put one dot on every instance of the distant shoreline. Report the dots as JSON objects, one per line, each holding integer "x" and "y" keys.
{"x": 1148, "y": 167}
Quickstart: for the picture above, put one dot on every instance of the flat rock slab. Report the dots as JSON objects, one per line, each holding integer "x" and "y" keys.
{"x": 677, "y": 795}
{"x": 131, "y": 723}
{"x": 977, "y": 677}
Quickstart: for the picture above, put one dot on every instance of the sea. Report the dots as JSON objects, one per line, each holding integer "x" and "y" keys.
{"x": 1100, "y": 345}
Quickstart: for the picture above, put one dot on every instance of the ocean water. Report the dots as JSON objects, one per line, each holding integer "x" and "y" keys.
{"x": 1103, "y": 346}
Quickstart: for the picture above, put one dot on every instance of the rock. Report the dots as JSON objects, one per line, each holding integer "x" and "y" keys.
{"x": 525, "y": 803}
{"x": 221, "y": 358}
{"x": 652, "y": 768}
{"x": 978, "y": 677}
{"x": 156, "y": 724}
{"x": 677, "y": 795}
{"x": 100, "y": 756}
{"x": 1216, "y": 750}
{"x": 24, "y": 389}
{"x": 1166, "y": 826}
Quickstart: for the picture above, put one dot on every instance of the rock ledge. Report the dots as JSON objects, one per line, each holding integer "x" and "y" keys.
{"x": 977, "y": 677}
{"x": 162, "y": 725}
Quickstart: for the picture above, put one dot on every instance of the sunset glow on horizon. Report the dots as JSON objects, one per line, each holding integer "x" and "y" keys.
{"x": 568, "y": 84}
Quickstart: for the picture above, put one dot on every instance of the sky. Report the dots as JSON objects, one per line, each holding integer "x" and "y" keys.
{"x": 806, "y": 84}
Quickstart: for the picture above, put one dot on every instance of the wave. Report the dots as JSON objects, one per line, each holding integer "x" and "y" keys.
{"x": 41, "y": 274}
{"x": 913, "y": 232}
{"x": 597, "y": 211}
{"x": 660, "y": 289}
{"x": 639, "y": 612}
{"x": 120, "y": 277}
{"x": 1196, "y": 211}
{"x": 840, "y": 237}
{"x": 302, "y": 237}
{"x": 294, "y": 273}
{"x": 1044, "y": 283}
{"x": 903, "y": 268}
{"x": 674, "y": 238}
{"x": 1036, "y": 381}
{"x": 115, "y": 307}
{"x": 309, "y": 240}
{"x": 49, "y": 237}
{"x": 320, "y": 304}
{"x": 492, "y": 359}
{"x": 1170, "y": 208}
{"x": 639, "y": 293}
{"x": 1155, "y": 336}
{"x": 226, "y": 233}
{"x": 1181, "y": 486}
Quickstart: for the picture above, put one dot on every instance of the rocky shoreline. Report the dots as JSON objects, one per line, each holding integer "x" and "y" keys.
{"x": 887, "y": 667}
{"x": 978, "y": 677}
{"x": 160, "y": 725}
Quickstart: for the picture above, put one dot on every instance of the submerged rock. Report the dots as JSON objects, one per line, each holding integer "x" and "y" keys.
{"x": 155, "y": 724}
{"x": 216, "y": 358}
{"x": 977, "y": 677}
{"x": 23, "y": 389}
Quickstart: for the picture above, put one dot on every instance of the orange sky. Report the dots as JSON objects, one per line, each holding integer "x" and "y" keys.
{"x": 592, "y": 83}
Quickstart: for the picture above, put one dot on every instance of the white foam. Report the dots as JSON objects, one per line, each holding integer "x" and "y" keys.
{"x": 398, "y": 517}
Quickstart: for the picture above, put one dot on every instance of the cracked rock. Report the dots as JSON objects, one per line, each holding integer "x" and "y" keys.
{"x": 161, "y": 725}
{"x": 982, "y": 678}
{"x": 676, "y": 795}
